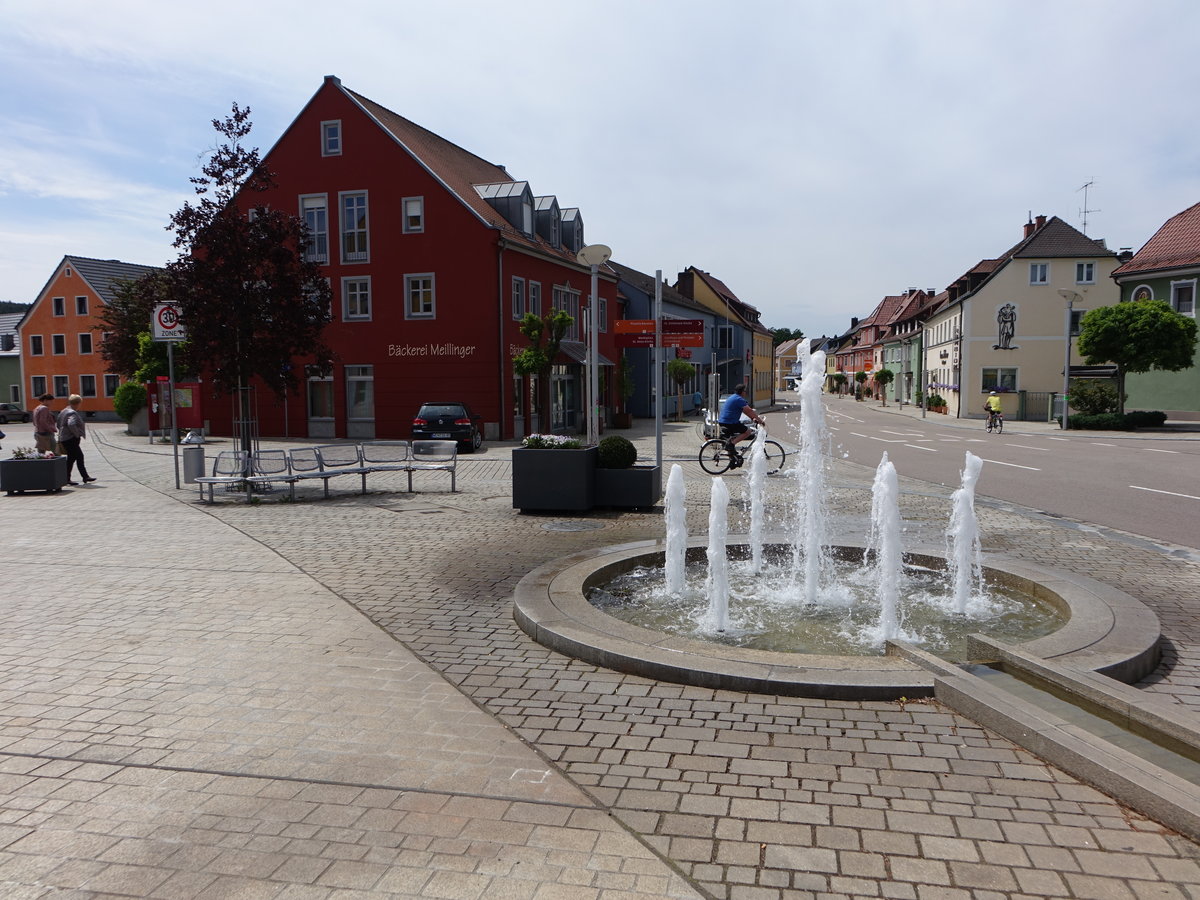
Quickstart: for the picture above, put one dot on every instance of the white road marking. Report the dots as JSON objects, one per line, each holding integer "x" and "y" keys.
{"x": 1012, "y": 465}
{"x": 918, "y": 447}
{"x": 1169, "y": 493}
{"x": 1156, "y": 450}
{"x": 1057, "y": 439}
{"x": 906, "y": 433}
{"x": 1098, "y": 444}
{"x": 1023, "y": 447}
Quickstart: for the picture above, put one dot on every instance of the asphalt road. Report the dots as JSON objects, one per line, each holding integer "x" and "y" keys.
{"x": 1145, "y": 486}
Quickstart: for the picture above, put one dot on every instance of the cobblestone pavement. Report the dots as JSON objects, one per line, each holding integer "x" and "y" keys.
{"x": 329, "y": 698}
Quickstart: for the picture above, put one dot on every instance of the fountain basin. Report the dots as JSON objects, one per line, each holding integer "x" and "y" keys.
{"x": 1105, "y": 631}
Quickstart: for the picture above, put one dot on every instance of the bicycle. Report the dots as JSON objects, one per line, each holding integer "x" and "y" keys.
{"x": 995, "y": 422}
{"x": 718, "y": 456}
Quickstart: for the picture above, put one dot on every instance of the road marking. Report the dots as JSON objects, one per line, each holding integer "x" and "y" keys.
{"x": 907, "y": 433}
{"x": 1012, "y": 465}
{"x": 1023, "y": 447}
{"x": 918, "y": 447}
{"x": 1057, "y": 439}
{"x": 1098, "y": 444}
{"x": 1156, "y": 450}
{"x": 1169, "y": 493}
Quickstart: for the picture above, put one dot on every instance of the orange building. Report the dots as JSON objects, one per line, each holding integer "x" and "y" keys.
{"x": 60, "y": 334}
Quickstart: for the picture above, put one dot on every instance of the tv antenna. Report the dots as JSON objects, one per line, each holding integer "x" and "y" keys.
{"x": 1083, "y": 213}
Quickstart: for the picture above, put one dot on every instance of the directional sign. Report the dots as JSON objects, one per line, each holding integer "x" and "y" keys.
{"x": 636, "y": 339}
{"x": 635, "y": 326}
{"x": 165, "y": 324}
{"x": 683, "y": 326}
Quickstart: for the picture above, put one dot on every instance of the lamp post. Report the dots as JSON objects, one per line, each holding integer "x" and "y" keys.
{"x": 1070, "y": 297}
{"x": 594, "y": 256}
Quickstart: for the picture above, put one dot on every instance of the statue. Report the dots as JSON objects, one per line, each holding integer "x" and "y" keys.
{"x": 1007, "y": 320}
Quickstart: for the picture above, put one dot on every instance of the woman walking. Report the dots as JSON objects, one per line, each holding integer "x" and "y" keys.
{"x": 71, "y": 430}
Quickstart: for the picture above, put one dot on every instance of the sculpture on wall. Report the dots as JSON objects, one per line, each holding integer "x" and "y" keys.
{"x": 1006, "y": 318}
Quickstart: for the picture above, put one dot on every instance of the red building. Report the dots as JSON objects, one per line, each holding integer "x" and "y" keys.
{"x": 434, "y": 255}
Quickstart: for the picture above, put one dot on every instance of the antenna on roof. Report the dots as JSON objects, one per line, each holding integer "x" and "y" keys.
{"x": 1083, "y": 213}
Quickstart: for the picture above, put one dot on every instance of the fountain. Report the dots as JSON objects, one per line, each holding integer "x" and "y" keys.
{"x": 716, "y": 585}
{"x": 885, "y": 544}
{"x": 965, "y": 553}
{"x": 676, "y": 515}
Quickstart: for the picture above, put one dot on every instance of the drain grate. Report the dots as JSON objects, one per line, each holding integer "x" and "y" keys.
{"x": 572, "y": 526}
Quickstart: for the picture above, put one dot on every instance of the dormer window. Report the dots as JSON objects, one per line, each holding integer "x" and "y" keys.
{"x": 331, "y": 138}
{"x": 548, "y": 220}
{"x": 572, "y": 230}
{"x": 513, "y": 200}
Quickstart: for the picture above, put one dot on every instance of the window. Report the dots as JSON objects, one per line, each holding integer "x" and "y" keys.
{"x": 1143, "y": 292}
{"x": 724, "y": 337}
{"x": 535, "y": 298}
{"x": 320, "y": 397}
{"x": 37, "y": 385}
{"x": 37, "y": 348}
{"x": 568, "y": 301}
{"x": 315, "y": 212}
{"x": 418, "y": 296}
{"x": 360, "y": 392}
{"x": 356, "y": 298}
{"x": 1076, "y": 318}
{"x": 111, "y": 383}
{"x": 526, "y": 217}
{"x": 87, "y": 385}
{"x": 331, "y": 138}
{"x": 59, "y": 306}
{"x": 1183, "y": 297}
{"x": 1039, "y": 273}
{"x": 355, "y": 245}
{"x": 81, "y": 306}
{"x": 1085, "y": 273}
{"x": 997, "y": 379}
{"x": 603, "y": 324}
{"x": 62, "y": 386}
{"x": 85, "y": 343}
{"x": 58, "y": 344}
{"x": 414, "y": 215}
{"x": 518, "y": 298}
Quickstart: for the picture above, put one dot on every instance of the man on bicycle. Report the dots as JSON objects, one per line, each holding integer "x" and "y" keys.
{"x": 730, "y": 419}
{"x": 992, "y": 405}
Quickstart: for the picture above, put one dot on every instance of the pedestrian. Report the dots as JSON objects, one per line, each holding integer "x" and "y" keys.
{"x": 71, "y": 430}
{"x": 698, "y": 402}
{"x": 44, "y": 425}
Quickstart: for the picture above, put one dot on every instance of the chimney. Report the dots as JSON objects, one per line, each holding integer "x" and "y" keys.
{"x": 1125, "y": 254}
{"x": 1028, "y": 229}
{"x": 1040, "y": 221}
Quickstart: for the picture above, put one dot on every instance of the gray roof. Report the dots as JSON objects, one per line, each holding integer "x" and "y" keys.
{"x": 8, "y": 325}
{"x": 104, "y": 274}
{"x": 1058, "y": 239}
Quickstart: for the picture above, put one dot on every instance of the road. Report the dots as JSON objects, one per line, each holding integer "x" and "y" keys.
{"x": 1145, "y": 486}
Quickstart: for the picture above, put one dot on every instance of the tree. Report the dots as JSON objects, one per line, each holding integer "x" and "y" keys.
{"x": 127, "y": 317}
{"x": 779, "y": 335}
{"x": 1137, "y": 336}
{"x": 839, "y": 381}
{"x": 883, "y": 378}
{"x": 536, "y": 359}
{"x": 250, "y": 300}
{"x": 860, "y": 377}
{"x": 1093, "y": 396}
{"x": 681, "y": 372}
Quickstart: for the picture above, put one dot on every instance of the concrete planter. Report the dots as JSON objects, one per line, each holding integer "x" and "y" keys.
{"x": 20, "y": 475}
{"x": 638, "y": 487}
{"x": 544, "y": 480}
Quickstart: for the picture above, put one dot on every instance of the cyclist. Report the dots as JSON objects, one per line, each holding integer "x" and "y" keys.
{"x": 992, "y": 407}
{"x": 730, "y": 419}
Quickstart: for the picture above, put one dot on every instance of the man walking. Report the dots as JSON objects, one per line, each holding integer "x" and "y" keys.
{"x": 44, "y": 425}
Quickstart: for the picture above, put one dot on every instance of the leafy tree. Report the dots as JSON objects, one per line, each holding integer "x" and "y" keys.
{"x": 839, "y": 381}
{"x": 250, "y": 301}
{"x": 1093, "y": 396}
{"x": 681, "y": 372}
{"x": 129, "y": 398}
{"x": 779, "y": 335}
{"x": 537, "y": 358}
{"x": 883, "y": 378}
{"x": 127, "y": 317}
{"x": 861, "y": 378}
{"x": 1137, "y": 336}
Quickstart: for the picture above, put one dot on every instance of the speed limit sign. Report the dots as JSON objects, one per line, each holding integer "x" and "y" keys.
{"x": 165, "y": 325}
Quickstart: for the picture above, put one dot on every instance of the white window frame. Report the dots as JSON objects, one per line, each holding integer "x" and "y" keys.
{"x": 81, "y": 305}
{"x": 1184, "y": 283}
{"x": 534, "y": 298}
{"x": 603, "y": 310}
{"x": 331, "y": 137}
{"x": 84, "y": 380}
{"x": 412, "y": 223}
{"x": 428, "y": 305}
{"x": 1039, "y": 269}
{"x": 726, "y": 332}
{"x": 37, "y": 347}
{"x": 349, "y": 229}
{"x": 518, "y": 298}
{"x": 1076, "y": 317}
{"x": 56, "y": 341}
{"x": 317, "y": 249}
{"x": 567, "y": 299}
{"x": 1085, "y": 272}
{"x": 111, "y": 383}
{"x": 358, "y": 285}
{"x": 58, "y": 306}
{"x": 85, "y": 337}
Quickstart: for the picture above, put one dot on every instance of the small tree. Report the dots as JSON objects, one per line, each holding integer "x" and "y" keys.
{"x": 1094, "y": 396}
{"x": 545, "y": 334}
{"x": 883, "y": 378}
{"x": 839, "y": 381}
{"x": 681, "y": 372}
{"x": 861, "y": 378}
{"x": 127, "y": 317}
{"x": 1137, "y": 337}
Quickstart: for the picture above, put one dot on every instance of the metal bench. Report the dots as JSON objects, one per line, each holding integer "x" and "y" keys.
{"x": 428, "y": 456}
{"x": 271, "y": 466}
{"x": 230, "y": 467}
{"x": 386, "y": 456}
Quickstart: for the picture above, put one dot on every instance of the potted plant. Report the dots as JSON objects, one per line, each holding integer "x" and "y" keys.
{"x": 29, "y": 470}
{"x": 619, "y": 482}
{"x": 553, "y": 472}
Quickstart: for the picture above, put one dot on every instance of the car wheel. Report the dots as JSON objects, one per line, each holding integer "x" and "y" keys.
{"x": 478, "y": 442}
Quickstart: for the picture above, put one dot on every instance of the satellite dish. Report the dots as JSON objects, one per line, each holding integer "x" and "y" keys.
{"x": 594, "y": 254}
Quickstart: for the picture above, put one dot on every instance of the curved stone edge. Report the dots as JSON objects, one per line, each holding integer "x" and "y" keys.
{"x": 1106, "y": 631}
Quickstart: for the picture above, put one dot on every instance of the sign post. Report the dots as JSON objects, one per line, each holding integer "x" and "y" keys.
{"x": 165, "y": 326}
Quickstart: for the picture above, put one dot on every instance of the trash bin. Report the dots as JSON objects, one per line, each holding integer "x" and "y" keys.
{"x": 193, "y": 463}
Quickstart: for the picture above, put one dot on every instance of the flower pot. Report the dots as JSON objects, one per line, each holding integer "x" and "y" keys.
{"x": 544, "y": 479}
{"x": 20, "y": 475}
{"x": 637, "y": 487}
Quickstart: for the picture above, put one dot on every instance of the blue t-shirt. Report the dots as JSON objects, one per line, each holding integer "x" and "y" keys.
{"x": 731, "y": 412}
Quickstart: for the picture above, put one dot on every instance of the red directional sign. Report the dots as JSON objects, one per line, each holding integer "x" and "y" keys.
{"x": 683, "y": 326}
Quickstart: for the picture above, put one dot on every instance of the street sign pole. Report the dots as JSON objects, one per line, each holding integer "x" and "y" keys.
{"x": 174, "y": 413}
{"x": 658, "y": 364}
{"x": 164, "y": 326}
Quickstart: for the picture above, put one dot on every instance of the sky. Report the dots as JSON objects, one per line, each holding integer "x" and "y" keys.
{"x": 815, "y": 155}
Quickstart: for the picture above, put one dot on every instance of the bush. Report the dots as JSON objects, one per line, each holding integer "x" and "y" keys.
{"x": 1100, "y": 422}
{"x": 616, "y": 452}
{"x": 1092, "y": 397}
{"x": 1145, "y": 418}
{"x": 129, "y": 398}
{"x": 933, "y": 401}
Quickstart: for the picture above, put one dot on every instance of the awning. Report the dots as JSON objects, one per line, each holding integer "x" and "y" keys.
{"x": 1093, "y": 371}
{"x": 577, "y": 350}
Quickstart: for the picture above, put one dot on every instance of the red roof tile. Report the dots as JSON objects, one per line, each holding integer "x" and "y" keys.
{"x": 1175, "y": 245}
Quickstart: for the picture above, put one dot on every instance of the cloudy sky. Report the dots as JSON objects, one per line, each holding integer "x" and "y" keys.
{"x": 813, "y": 154}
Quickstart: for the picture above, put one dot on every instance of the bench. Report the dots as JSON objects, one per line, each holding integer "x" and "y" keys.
{"x": 428, "y": 456}
{"x": 271, "y": 466}
{"x": 386, "y": 456}
{"x": 230, "y": 467}
{"x": 328, "y": 461}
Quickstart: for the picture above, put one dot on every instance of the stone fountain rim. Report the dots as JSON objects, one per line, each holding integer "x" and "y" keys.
{"x": 1106, "y": 631}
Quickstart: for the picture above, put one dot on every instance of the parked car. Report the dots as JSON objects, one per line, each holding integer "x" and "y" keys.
{"x": 10, "y": 412}
{"x": 711, "y": 428}
{"x": 448, "y": 420}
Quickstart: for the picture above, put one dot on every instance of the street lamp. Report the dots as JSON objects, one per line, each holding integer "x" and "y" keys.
{"x": 1070, "y": 297}
{"x": 594, "y": 255}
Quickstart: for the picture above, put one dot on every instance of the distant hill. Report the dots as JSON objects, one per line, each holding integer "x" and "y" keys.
{"x": 11, "y": 306}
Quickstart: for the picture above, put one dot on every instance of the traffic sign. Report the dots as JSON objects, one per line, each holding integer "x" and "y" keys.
{"x": 165, "y": 324}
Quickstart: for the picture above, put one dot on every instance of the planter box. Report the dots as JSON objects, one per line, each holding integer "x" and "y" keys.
{"x": 20, "y": 475}
{"x": 554, "y": 479}
{"x": 638, "y": 487}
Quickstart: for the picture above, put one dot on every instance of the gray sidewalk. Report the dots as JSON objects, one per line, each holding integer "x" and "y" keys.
{"x": 330, "y": 699}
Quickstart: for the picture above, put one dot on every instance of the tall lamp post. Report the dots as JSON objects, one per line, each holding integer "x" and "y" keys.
{"x": 1070, "y": 297}
{"x": 594, "y": 255}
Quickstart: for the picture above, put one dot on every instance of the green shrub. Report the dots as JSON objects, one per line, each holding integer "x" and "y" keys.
{"x": 1145, "y": 418}
{"x": 1100, "y": 422}
{"x": 933, "y": 401}
{"x": 129, "y": 398}
{"x": 1092, "y": 396}
{"x": 616, "y": 452}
